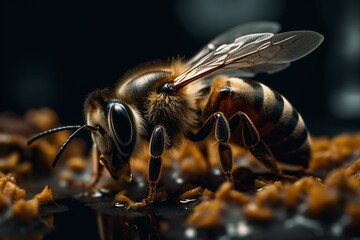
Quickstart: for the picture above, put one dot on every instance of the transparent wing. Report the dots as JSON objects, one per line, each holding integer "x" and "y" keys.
{"x": 234, "y": 33}
{"x": 248, "y": 72}
{"x": 261, "y": 52}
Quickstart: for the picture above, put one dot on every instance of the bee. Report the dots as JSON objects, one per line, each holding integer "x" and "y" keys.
{"x": 161, "y": 104}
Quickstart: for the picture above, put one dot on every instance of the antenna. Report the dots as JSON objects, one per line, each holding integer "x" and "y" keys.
{"x": 78, "y": 128}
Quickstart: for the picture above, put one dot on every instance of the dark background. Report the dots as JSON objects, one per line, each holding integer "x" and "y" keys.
{"x": 53, "y": 53}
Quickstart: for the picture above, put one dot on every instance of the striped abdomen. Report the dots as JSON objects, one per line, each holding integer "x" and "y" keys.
{"x": 279, "y": 125}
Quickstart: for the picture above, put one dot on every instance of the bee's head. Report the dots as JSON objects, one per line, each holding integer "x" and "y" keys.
{"x": 116, "y": 135}
{"x": 112, "y": 127}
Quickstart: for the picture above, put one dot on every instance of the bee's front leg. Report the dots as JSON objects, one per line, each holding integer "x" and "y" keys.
{"x": 97, "y": 169}
{"x": 157, "y": 146}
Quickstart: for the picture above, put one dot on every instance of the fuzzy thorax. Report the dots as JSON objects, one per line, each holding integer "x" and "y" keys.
{"x": 177, "y": 113}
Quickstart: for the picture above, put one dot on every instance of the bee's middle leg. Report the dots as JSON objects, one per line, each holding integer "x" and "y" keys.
{"x": 222, "y": 135}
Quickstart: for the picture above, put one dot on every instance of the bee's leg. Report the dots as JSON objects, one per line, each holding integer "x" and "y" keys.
{"x": 157, "y": 146}
{"x": 222, "y": 135}
{"x": 222, "y": 130}
{"x": 97, "y": 166}
{"x": 205, "y": 129}
{"x": 251, "y": 141}
{"x": 262, "y": 152}
{"x": 97, "y": 169}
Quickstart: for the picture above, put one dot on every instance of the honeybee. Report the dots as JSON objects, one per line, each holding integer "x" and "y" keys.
{"x": 161, "y": 104}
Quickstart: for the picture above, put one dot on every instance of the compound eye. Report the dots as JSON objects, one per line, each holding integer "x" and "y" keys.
{"x": 120, "y": 123}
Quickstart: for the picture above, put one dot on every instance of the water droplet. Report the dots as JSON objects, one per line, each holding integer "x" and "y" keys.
{"x": 179, "y": 180}
{"x": 96, "y": 194}
{"x": 217, "y": 172}
{"x": 243, "y": 229}
{"x": 120, "y": 205}
{"x": 188, "y": 200}
{"x": 104, "y": 190}
{"x": 190, "y": 233}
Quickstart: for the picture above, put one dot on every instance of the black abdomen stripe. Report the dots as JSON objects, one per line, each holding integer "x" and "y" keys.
{"x": 277, "y": 109}
{"x": 300, "y": 156}
{"x": 257, "y": 94}
{"x": 283, "y": 127}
